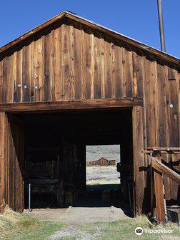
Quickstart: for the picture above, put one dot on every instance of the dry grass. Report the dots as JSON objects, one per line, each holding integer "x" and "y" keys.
{"x": 16, "y": 226}
{"x": 102, "y": 175}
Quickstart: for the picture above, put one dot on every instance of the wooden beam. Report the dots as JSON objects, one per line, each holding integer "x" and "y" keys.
{"x": 159, "y": 194}
{"x": 138, "y": 157}
{"x": 163, "y": 169}
{"x": 166, "y": 149}
{"x": 71, "y": 105}
{"x": 3, "y": 148}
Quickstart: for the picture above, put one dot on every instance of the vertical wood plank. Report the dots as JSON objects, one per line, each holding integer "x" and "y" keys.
{"x": 160, "y": 106}
{"x": 66, "y": 64}
{"x": 87, "y": 60}
{"x": 172, "y": 108}
{"x": 159, "y": 194}
{"x": 57, "y": 45}
{"x": 138, "y": 146}
{"x": 150, "y": 75}
{"x": 72, "y": 63}
{"x": 18, "y": 93}
{"x": 1, "y": 80}
{"x": 51, "y": 67}
{"x": 108, "y": 68}
{"x": 92, "y": 65}
{"x": 10, "y": 85}
{"x": 5, "y": 79}
{"x": 97, "y": 68}
{"x": 2, "y": 160}
{"x": 41, "y": 68}
{"x": 135, "y": 73}
{"x": 26, "y": 69}
{"x": 129, "y": 73}
{"x": 78, "y": 62}
{"x": 119, "y": 72}
{"x": 47, "y": 84}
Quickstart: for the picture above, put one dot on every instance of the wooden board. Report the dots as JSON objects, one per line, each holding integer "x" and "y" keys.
{"x": 3, "y": 139}
{"x": 11, "y": 164}
{"x": 159, "y": 195}
{"x": 138, "y": 157}
{"x": 70, "y": 105}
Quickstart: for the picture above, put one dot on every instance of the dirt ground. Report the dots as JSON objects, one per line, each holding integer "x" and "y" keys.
{"x": 102, "y": 175}
{"x": 79, "y": 215}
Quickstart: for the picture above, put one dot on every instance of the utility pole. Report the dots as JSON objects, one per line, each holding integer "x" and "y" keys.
{"x": 161, "y": 26}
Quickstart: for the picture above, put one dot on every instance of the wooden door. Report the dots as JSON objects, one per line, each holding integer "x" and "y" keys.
{"x": 12, "y": 161}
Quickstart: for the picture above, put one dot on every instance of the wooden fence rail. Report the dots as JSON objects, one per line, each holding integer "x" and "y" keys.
{"x": 158, "y": 171}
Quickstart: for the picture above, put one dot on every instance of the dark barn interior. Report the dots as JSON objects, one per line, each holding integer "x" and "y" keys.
{"x": 55, "y": 157}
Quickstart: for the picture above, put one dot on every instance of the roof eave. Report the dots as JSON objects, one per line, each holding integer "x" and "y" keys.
{"x": 130, "y": 41}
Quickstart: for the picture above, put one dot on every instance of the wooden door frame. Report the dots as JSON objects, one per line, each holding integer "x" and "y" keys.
{"x": 138, "y": 159}
{"x": 85, "y": 104}
{"x": 118, "y": 104}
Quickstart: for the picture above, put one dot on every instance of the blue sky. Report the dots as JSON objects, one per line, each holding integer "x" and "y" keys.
{"x": 137, "y": 19}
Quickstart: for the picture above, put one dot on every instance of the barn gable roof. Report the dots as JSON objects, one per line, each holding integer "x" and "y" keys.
{"x": 114, "y": 34}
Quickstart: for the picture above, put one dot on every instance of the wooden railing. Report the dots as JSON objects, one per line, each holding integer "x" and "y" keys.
{"x": 158, "y": 170}
{"x": 163, "y": 169}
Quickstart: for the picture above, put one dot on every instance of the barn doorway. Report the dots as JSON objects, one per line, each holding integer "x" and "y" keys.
{"x": 102, "y": 178}
{"x": 54, "y": 167}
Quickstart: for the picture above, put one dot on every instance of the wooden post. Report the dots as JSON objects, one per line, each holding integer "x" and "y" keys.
{"x": 159, "y": 195}
{"x": 2, "y": 159}
{"x": 138, "y": 146}
{"x": 159, "y": 191}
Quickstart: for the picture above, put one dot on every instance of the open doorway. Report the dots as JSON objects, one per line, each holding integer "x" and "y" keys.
{"x": 102, "y": 177}
{"x": 55, "y": 155}
{"x": 101, "y": 164}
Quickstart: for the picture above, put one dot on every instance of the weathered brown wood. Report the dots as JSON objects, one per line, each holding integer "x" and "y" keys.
{"x": 138, "y": 145}
{"x": 13, "y": 164}
{"x": 47, "y": 83}
{"x": 78, "y": 80}
{"x": 57, "y": 62}
{"x": 3, "y": 130}
{"x": 159, "y": 195}
{"x": 108, "y": 69}
{"x": 163, "y": 169}
{"x": 165, "y": 149}
{"x": 62, "y": 16}
{"x": 70, "y": 105}
{"x": 71, "y": 64}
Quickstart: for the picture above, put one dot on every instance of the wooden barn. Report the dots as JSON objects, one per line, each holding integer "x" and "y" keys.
{"x": 102, "y": 162}
{"x": 70, "y": 83}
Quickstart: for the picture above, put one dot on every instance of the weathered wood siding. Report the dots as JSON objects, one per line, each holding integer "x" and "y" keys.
{"x": 70, "y": 63}
{"x": 73, "y": 62}
{"x": 11, "y": 164}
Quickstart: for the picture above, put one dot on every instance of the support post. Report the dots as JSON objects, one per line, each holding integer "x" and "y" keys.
{"x": 3, "y": 147}
{"x": 159, "y": 195}
{"x": 138, "y": 157}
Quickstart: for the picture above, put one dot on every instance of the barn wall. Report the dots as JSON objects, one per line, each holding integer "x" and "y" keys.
{"x": 73, "y": 62}
{"x": 70, "y": 63}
